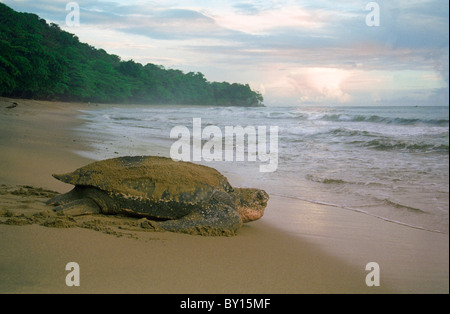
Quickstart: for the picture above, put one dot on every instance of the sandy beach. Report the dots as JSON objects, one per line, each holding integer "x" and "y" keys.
{"x": 297, "y": 247}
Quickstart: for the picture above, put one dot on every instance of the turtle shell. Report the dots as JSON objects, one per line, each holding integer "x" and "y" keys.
{"x": 150, "y": 180}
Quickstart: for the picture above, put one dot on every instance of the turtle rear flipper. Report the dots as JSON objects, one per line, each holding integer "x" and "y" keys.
{"x": 84, "y": 206}
{"x": 65, "y": 198}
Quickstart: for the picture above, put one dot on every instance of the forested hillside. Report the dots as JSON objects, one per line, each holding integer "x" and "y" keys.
{"x": 40, "y": 61}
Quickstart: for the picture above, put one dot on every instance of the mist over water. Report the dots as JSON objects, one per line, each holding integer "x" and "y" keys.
{"x": 389, "y": 162}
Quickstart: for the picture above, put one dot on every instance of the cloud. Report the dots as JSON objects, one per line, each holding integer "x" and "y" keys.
{"x": 315, "y": 85}
{"x": 172, "y": 25}
{"x": 246, "y": 8}
{"x": 264, "y": 21}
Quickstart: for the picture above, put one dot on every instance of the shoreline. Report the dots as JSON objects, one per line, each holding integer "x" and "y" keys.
{"x": 297, "y": 247}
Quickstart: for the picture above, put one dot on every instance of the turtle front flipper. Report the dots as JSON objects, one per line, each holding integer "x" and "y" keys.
{"x": 84, "y": 206}
{"x": 216, "y": 220}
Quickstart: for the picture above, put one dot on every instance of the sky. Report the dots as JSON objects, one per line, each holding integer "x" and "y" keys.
{"x": 320, "y": 52}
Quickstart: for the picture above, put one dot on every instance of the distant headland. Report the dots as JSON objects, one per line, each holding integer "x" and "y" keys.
{"x": 40, "y": 61}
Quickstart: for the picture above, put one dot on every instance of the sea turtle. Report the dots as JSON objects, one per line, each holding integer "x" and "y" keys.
{"x": 173, "y": 196}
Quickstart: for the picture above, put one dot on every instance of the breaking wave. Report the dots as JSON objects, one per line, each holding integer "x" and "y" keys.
{"x": 391, "y": 144}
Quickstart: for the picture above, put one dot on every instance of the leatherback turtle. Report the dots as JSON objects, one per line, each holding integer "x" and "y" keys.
{"x": 173, "y": 196}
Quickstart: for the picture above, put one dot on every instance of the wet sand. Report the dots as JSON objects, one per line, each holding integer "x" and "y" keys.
{"x": 297, "y": 247}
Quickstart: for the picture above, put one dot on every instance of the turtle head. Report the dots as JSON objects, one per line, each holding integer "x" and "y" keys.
{"x": 250, "y": 203}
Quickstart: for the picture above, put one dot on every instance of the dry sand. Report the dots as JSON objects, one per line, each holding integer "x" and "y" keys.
{"x": 309, "y": 248}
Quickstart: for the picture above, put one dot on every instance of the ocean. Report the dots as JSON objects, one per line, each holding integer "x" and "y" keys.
{"x": 388, "y": 162}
